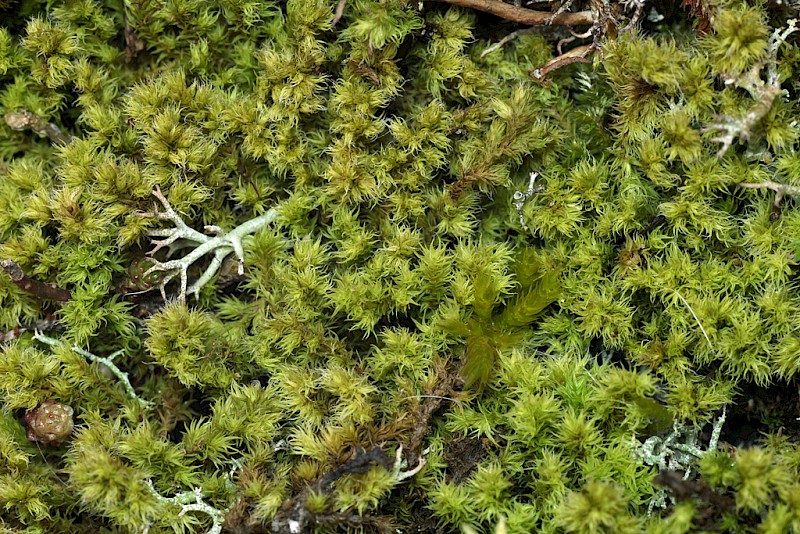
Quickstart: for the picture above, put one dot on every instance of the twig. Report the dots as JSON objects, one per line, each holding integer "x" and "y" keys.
{"x": 576, "y": 55}
{"x": 562, "y": 42}
{"x": 25, "y": 120}
{"x": 337, "y": 16}
{"x": 588, "y": 33}
{"x": 49, "y": 322}
{"x": 133, "y": 45}
{"x": 525, "y": 16}
{"x": 34, "y": 287}
{"x": 447, "y": 382}
{"x": 638, "y": 7}
{"x": 355, "y": 522}
{"x": 295, "y": 518}
{"x": 562, "y": 9}
{"x": 507, "y": 39}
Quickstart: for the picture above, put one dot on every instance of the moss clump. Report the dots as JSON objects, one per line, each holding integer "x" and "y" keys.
{"x": 428, "y": 290}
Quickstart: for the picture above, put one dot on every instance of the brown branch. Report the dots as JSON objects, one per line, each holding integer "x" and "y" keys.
{"x": 133, "y": 45}
{"x": 34, "y": 287}
{"x": 25, "y": 120}
{"x": 637, "y": 13}
{"x": 294, "y": 517}
{"x": 49, "y": 322}
{"x": 359, "y": 523}
{"x": 576, "y": 55}
{"x": 525, "y": 16}
{"x": 449, "y": 380}
{"x": 337, "y": 16}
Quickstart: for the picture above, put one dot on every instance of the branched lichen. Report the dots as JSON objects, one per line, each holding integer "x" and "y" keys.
{"x": 678, "y": 451}
{"x": 191, "y": 501}
{"x": 220, "y": 245}
{"x": 764, "y": 92}
{"x": 781, "y": 190}
{"x": 107, "y": 361}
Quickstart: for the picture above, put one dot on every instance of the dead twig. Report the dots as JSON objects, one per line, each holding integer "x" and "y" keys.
{"x": 25, "y": 120}
{"x": 295, "y": 518}
{"x": 601, "y": 20}
{"x": 638, "y": 7}
{"x": 578, "y": 54}
{"x": 337, "y": 16}
{"x": 526, "y": 16}
{"x": 562, "y": 9}
{"x": 448, "y": 380}
{"x": 49, "y": 322}
{"x": 31, "y": 286}
{"x": 508, "y": 38}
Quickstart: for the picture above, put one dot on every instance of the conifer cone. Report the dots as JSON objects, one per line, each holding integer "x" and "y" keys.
{"x": 50, "y": 423}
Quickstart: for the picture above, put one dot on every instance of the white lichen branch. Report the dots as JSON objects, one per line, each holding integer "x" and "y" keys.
{"x": 678, "y": 451}
{"x": 106, "y": 361}
{"x": 399, "y": 464}
{"x": 192, "y": 501}
{"x": 781, "y": 190}
{"x": 764, "y": 92}
{"x": 520, "y": 198}
{"x": 221, "y": 245}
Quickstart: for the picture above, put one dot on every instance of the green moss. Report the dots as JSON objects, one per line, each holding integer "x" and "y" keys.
{"x": 527, "y": 343}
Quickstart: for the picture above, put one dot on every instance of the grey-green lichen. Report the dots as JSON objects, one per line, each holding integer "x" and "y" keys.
{"x": 396, "y": 327}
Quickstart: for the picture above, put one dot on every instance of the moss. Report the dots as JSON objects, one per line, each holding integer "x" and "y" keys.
{"x": 440, "y": 293}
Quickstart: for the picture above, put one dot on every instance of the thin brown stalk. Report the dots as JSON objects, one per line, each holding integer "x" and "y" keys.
{"x": 526, "y": 16}
{"x": 34, "y": 287}
{"x": 576, "y": 55}
{"x": 337, "y": 16}
{"x": 25, "y": 120}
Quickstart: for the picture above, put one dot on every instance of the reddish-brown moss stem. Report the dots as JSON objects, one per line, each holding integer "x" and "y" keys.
{"x": 34, "y": 287}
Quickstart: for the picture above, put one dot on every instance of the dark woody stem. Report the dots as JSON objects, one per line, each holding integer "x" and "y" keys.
{"x": 25, "y": 120}
{"x": 34, "y": 287}
{"x": 526, "y": 16}
{"x": 576, "y": 55}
